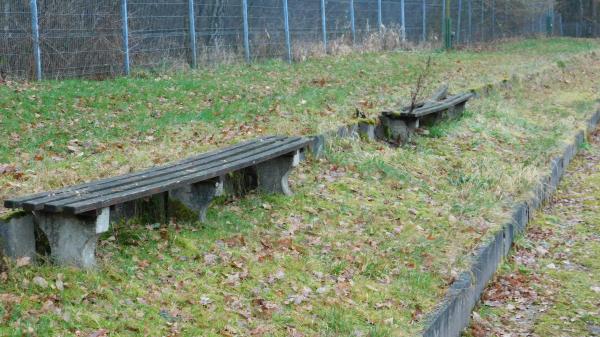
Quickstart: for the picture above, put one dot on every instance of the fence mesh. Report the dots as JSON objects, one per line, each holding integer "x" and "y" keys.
{"x": 158, "y": 32}
{"x": 219, "y": 30}
{"x": 79, "y": 37}
{"x": 96, "y": 38}
{"x": 15, "y": 39}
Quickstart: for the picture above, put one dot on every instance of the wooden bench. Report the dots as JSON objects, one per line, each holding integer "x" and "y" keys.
{"x": 398, "y": 124}
{"x": 72, "y": 218}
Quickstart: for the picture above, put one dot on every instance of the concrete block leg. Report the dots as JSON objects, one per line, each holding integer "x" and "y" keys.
{"x": 353, "y": 131}
{"x": 272, "y": 176}
{"x": 343, "y": 132}
{"x": 73, "y": 238}
{"x": 396, "y": 130}
{"x": 366, "y": 130}
{"x": 317, "y": 146}
{"x": 17, "y": 236}
{"x": 197, "y": 197}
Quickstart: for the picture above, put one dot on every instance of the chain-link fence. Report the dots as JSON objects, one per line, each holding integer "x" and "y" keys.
{"x": 100, "y": 38}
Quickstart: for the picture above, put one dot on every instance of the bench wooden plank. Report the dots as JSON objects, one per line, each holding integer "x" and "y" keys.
{"x": 58, "y": 206}
{"x": 117, "y": 197}
{"x": 39, "y": 203}
{"x": 431, "y": 107}
{"x": 17, "y": 202}
{"x": 54, "y": 201}
{"x": 443, "y": 105}
{"x": 248, "y": 156}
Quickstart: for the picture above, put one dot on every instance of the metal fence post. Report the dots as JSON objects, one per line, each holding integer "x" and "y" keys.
{"x": 443, "y": 19}
{"x": 470, "y": 8}
{"x": 493, "y": 19}
{"x": 286, "y": 25}
{"x": 424, "y": 20}
{"x": 580, "y": 24}
{"x": 192, "y": 22}
{"x": 482, "y": 24}
{"x": 324, "y": 25}
{"x": 448, "y": 24}
{"x": 459, "y": 21}
{"x": 352, "y": 26}
{"x": 403, "y": 18}
{"x": 125, "y": 28}
{"x": 379, "y": 17}
{"x": 35, "y": 31}
{"x": 246, "y": 37}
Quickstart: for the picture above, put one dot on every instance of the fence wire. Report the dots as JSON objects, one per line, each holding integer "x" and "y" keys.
{"x": 103, "y": 38}
{"x": 15, "y": 39}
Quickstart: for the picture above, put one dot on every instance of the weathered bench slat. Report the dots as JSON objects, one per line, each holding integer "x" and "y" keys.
{"x": 18, "y": 202}
{"x": 165, "y": 185}
{"x": 443, "y": 105}
{"x": 430, "y": 107}
{"x": 58, "y": 206}
{"x": 40, "y": 203}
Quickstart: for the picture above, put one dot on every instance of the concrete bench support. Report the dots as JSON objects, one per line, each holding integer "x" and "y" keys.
{"x": 272, "y": 176}
{"x": 366, "y": 130}
{"x": 197, "y": 197}
{"x": 73, "y": 238}
{"x": 397, "y": 130}
{"x": 17, "y": 236}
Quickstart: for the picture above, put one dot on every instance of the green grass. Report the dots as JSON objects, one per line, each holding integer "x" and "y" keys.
{"x": 367, "y": 245}
{"x": 42, "y": 117}
{"x": 65, "y": 131}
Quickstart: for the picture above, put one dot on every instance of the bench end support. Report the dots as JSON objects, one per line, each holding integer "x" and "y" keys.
{"x": 17, "y": 238}
{"x": 197, "y": 197}
{"x": 272, "y": 175}
{"x": 73, "y": 238}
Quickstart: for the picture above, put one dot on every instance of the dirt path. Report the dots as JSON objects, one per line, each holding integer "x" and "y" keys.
{"x": 550, "y": 286}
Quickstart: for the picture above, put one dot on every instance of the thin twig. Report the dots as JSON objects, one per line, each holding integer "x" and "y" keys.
{"x": 420, "y": 85}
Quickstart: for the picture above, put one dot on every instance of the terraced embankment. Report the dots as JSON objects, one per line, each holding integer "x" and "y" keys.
{"x": 367, "y": 246}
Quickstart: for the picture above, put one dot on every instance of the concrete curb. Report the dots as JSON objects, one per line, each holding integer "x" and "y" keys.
{"x": 454, "y": 313}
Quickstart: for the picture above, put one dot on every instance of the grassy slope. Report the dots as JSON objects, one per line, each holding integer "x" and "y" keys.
{"x": 551, "y": 285}
{"x": 368, "y": 244}
{"x": 128, "y": 123}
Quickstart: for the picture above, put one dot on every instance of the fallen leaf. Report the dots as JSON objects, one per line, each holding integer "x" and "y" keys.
{"x": 23, "y": 261}
{"x": 40, "y": 282}
{"x": 59, "y": 285}
{"x": 264, "y": 307}
{"x": 99, "y": 333}
{"x": 205, "y": 300}
{"x": 259, "y": 331}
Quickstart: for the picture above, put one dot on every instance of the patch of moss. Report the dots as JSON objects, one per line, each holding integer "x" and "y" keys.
{"x": 12, "y": 215}
{"x": 368, "y": 121}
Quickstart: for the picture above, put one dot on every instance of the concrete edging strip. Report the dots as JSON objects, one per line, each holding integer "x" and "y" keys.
{"x": 454, "y": 313}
